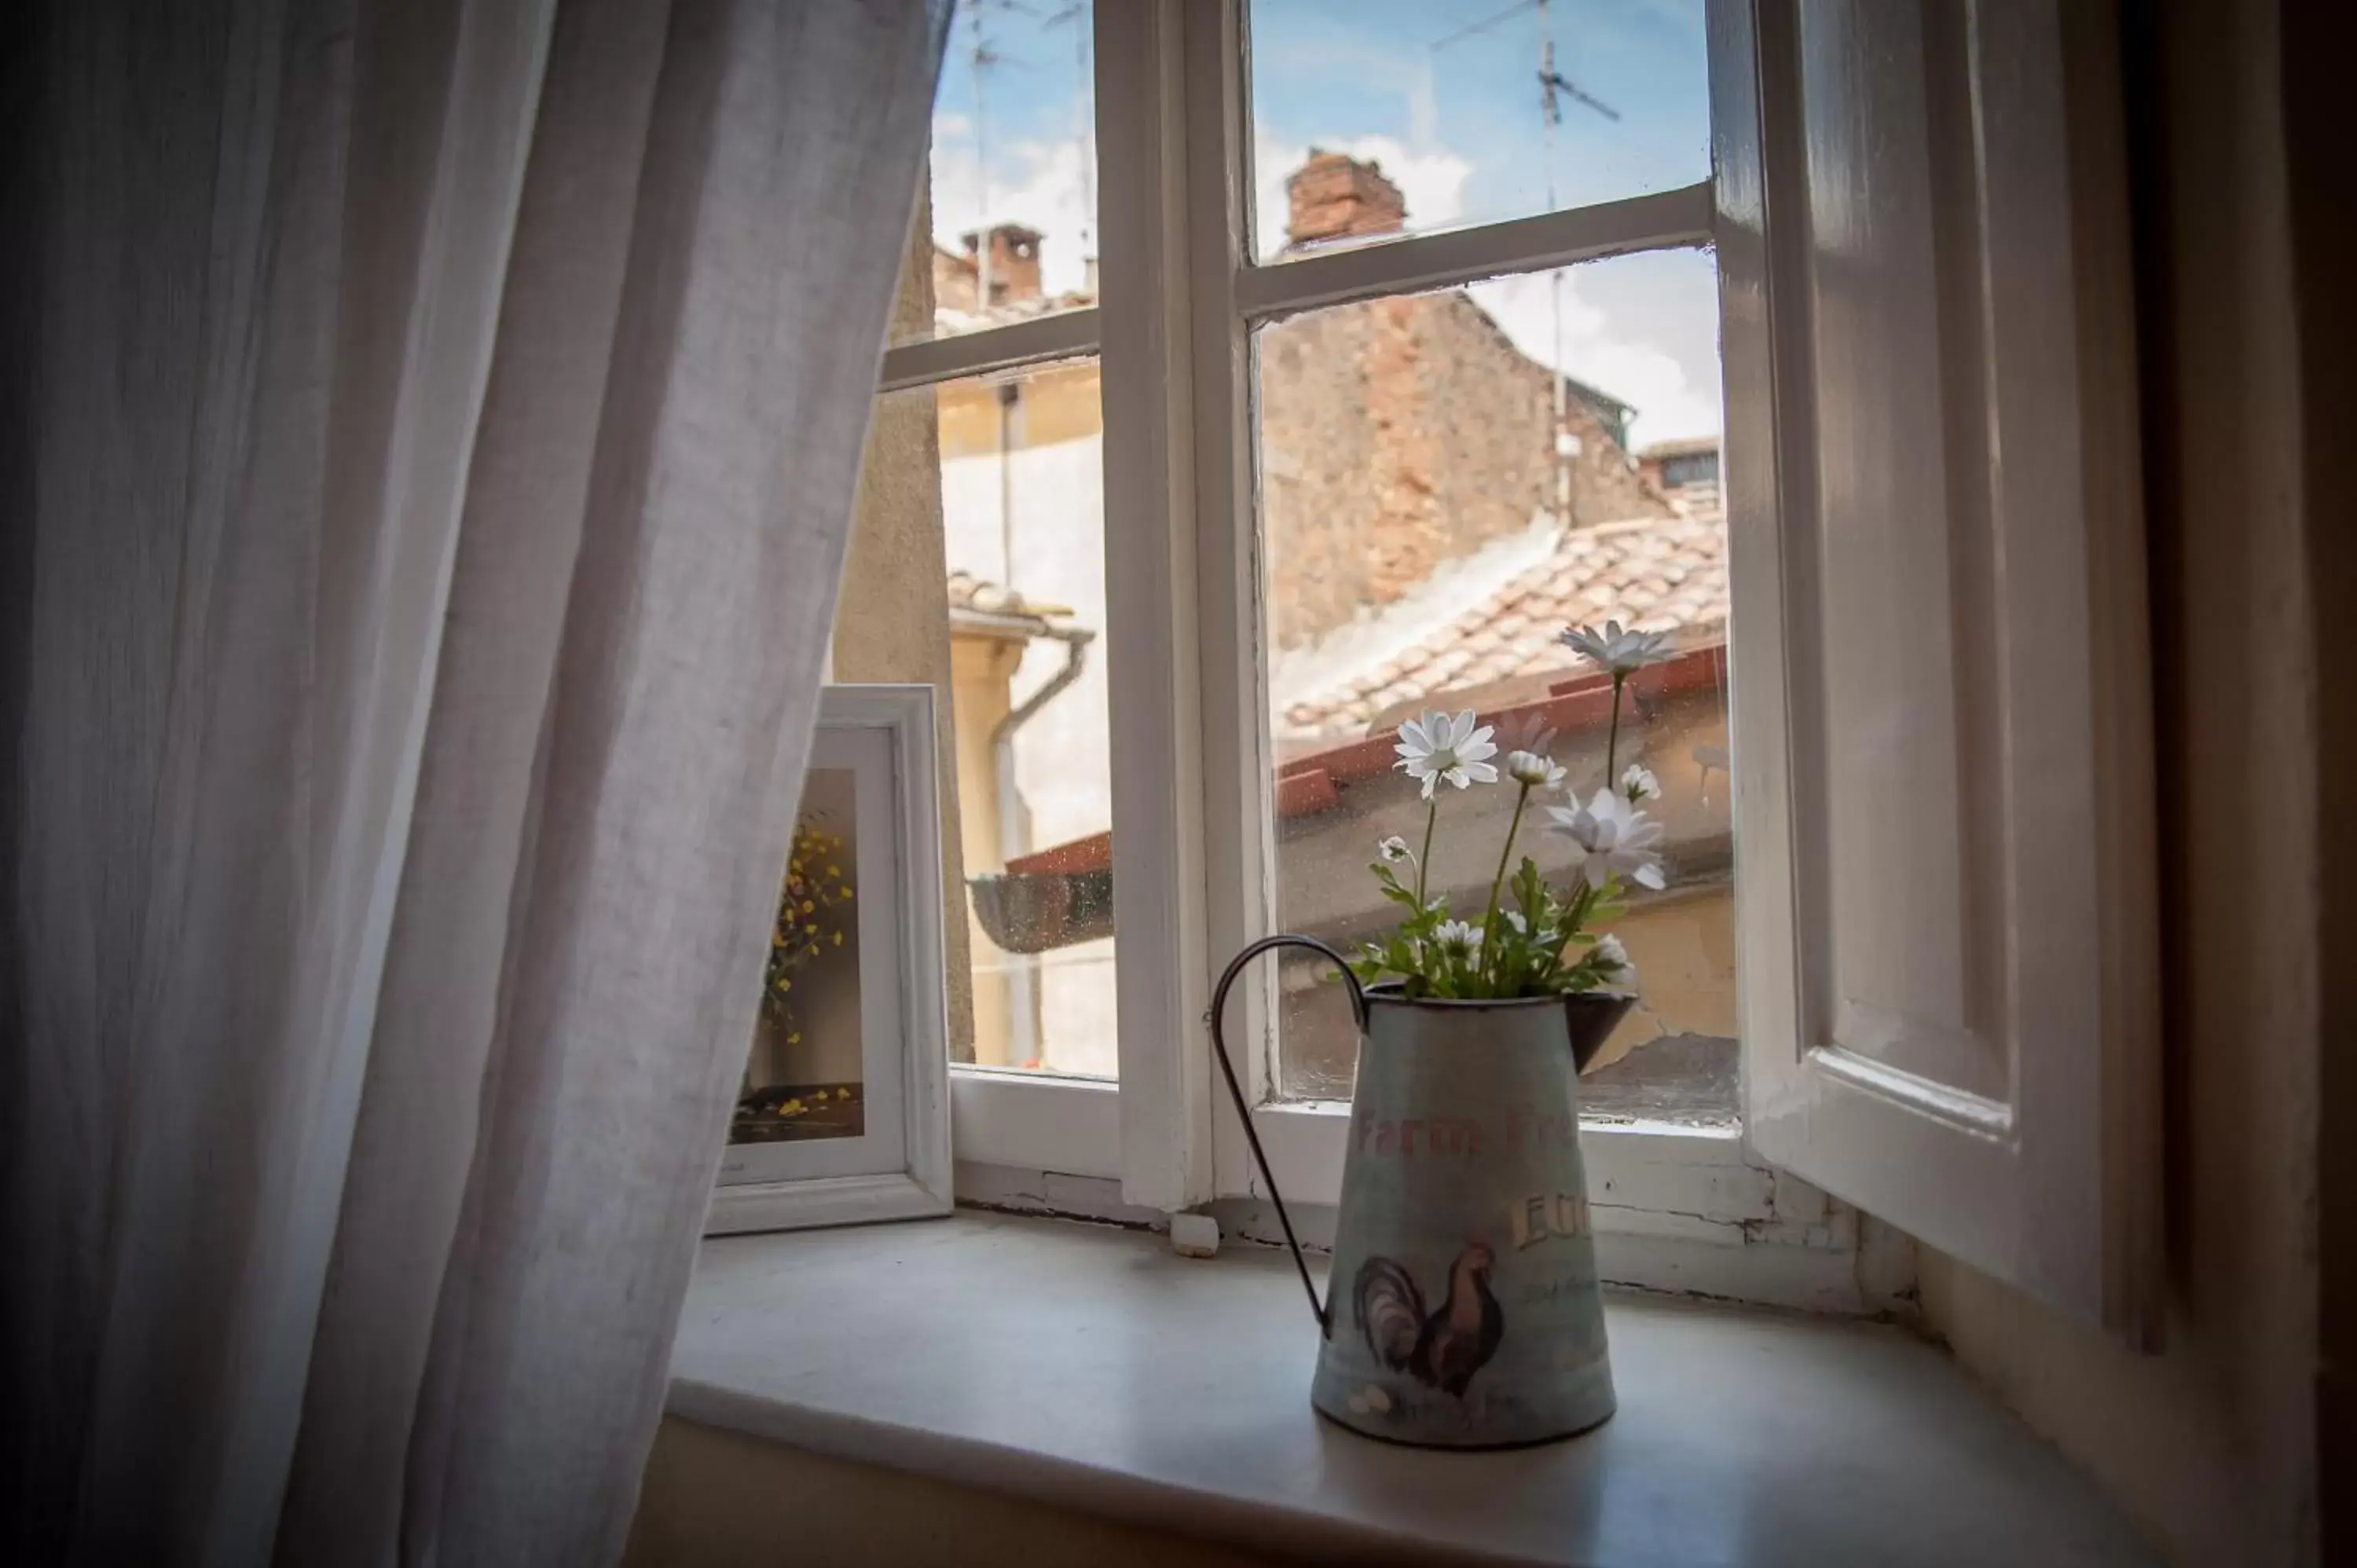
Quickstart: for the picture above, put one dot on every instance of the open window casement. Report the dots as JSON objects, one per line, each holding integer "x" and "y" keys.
{"x": 1946, "y": 905}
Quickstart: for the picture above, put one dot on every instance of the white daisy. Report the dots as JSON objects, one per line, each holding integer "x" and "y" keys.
{"x": 1638, "y": 784}
{"x": 1617, "y": 648}
{"x": 1456, "y": 938}
{"x": 1613, "y": 963}
{"x": 1394, "y": 850}
{"x": 1437, "y": 746}
{"x": 1535, "y": 771}
{"x": 1612, "y": 836}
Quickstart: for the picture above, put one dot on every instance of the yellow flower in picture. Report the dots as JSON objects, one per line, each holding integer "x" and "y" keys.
{"x": 808, "y": 918}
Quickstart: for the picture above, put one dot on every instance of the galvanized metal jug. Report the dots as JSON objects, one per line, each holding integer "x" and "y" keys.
{"x": 1463, "y": 1309}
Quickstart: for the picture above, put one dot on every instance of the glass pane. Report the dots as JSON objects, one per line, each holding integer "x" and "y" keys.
{"x": 1013, "y": 205}
{"x": 1012, "y": 464}
{"x": 805, "y": 1077}
{"x": 1410, "y": 116}
{"x": 1439, "y": 505}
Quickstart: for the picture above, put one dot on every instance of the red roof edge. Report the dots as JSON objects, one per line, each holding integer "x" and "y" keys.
{"x": 1307, "y": 784}
{"x": 1093, "y": 852}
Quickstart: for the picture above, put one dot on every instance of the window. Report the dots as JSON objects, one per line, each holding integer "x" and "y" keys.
{"x": 1084, "y": 596}
{"x": 1441, "y": 494}
{"x": 1283, "y": 368}
{"x": 1012, "y": 186}
{"x": 1021, "y": 495}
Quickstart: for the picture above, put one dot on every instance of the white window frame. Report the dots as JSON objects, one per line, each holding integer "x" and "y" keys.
{"x": 1192, "y": 808}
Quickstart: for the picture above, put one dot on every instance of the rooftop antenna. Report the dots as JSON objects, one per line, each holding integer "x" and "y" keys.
{"x": 983, "y": 59}
{"x": 1075, "y": 15}
{"x": 1554, "y": 86}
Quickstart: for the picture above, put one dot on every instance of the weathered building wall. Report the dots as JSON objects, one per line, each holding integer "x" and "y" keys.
{"x": 1402, "y": 434}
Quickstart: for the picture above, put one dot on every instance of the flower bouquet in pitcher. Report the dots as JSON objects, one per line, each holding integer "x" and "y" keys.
{"x": 1531, "y": 939}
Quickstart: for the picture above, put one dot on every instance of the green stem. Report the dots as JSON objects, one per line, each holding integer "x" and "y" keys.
{"x": 1612, "y": 735}
{"x": 1490, "y": 919}
{"x": 1577, "y": 920}
{"x": 1431, "y": 816}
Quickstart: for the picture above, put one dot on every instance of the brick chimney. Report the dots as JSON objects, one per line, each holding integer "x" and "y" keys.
{"x": 1336, "y": 196}
{"x": 1014, "y": 262}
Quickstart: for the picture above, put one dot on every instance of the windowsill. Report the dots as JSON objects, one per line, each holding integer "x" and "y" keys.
{"x": 1089, "y": 1368}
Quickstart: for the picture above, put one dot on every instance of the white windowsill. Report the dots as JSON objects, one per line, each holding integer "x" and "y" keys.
{"x": 1089, "y": 1368}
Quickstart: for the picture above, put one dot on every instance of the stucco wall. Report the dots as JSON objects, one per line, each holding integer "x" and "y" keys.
{"x": 892, "y": 622}
{"x": 2210, "y": 1444}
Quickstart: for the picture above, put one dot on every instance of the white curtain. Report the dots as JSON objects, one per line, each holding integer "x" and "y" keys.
{"x": 429, "y": 440}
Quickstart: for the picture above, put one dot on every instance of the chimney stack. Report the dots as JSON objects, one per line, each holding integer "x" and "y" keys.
{"x": 1014, "y": 270}
{"x": 1336, "y": 196}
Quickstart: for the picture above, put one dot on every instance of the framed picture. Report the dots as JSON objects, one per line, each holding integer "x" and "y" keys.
{"x": 843, "y": 1113}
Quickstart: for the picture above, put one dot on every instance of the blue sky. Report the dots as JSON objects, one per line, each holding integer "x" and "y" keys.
{"x": 1458, "y": 127}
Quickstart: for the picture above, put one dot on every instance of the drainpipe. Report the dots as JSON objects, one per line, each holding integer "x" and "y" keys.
{"x": 1013, "y": 833}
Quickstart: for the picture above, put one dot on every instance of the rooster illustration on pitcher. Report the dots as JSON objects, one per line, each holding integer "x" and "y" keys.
{"x": 1463, "y": 1167}
{"x": 1441, "y": 1350}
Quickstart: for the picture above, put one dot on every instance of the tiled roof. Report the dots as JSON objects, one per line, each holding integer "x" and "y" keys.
{"x": 968, "y": 592}
{"x": 1656, "y": 574}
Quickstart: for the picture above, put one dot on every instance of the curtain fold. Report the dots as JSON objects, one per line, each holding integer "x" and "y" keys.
{"x": 431, "y": 484}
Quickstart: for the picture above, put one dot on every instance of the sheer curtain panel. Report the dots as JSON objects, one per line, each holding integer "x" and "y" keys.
{"x": 427, "y": 437}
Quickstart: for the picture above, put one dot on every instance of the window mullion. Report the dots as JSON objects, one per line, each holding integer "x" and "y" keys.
{"x": 1421, "y": 263}
{"x": 1059, "y": 337}
{"x": 1235, "y": 763}
{"x": 1158, "y": 765}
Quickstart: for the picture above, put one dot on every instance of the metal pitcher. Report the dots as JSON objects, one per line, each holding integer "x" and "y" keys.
{"x": 1462, "y": 1310}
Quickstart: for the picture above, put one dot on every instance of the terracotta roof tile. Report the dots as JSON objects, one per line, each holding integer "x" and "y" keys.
{"x": 968, "y": 592}
{"x": 1661, "y": 574}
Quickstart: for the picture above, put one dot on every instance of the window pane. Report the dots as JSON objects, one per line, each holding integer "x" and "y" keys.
{"x": 1013, "y": 464}
{"x": 1438, "y": 507}
{"x": 1013, "y": 206}
{"x": 1410, "y": 116}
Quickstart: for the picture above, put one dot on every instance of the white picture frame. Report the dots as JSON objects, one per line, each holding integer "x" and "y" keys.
{"x": 897, "y": 1166}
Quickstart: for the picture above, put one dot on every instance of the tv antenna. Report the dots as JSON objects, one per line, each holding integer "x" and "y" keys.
{"x": 1075, "y": 15}
{"x": 1553, "y": 87}
{"x": 983, "y": 58}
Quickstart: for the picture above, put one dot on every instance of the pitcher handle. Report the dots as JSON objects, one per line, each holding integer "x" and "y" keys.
{"x": 1244, "y": 1111}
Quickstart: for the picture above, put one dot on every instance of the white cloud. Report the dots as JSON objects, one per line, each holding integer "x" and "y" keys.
{"x": 1616, "y": 352}
{"x": 1431, "y": 183}
{"x": 1047, "y": 186}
